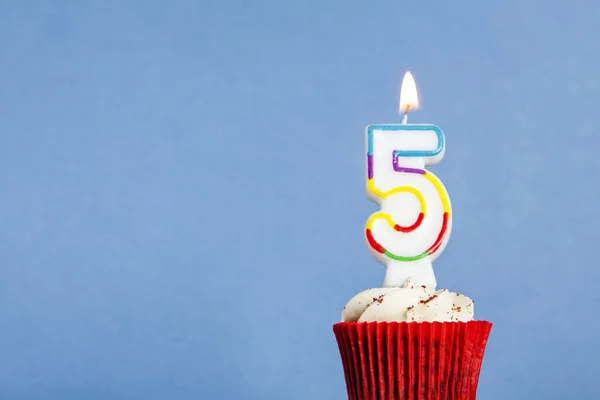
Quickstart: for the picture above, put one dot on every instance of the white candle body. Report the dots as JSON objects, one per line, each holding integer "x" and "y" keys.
{"x": 415, "y": 220}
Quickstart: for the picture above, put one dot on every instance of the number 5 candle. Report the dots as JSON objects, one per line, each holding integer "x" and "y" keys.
{"x": 414, "y": 223}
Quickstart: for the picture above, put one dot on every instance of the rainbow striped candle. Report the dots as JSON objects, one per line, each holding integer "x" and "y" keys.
{"x": 415, "y": 220}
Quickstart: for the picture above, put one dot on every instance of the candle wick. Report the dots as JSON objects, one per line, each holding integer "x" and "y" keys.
{"x": 405, "y": 119}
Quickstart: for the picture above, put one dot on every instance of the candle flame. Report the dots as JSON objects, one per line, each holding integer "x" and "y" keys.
{"x": 409, "y": 98}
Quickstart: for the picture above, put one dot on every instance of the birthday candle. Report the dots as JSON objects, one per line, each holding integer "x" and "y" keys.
{"x": 415, "y": 220}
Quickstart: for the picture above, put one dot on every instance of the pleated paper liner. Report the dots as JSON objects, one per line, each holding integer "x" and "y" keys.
{"x": 412, "y": 361}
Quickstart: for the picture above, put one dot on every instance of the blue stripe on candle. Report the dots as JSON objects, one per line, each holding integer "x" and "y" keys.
{"x": 407, "y": 153}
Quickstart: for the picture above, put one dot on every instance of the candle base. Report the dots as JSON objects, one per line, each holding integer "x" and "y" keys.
{"x": 397, "y": 273}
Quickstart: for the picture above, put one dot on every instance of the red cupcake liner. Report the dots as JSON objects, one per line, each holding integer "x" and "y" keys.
{"x": 412, "y": 361}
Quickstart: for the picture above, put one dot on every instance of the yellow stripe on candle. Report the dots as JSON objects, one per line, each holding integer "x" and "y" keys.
{"x": 410, "y": 189}
{"x": 440, "y": 189}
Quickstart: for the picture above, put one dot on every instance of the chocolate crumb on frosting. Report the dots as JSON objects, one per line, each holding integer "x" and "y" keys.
{"x": 378, "y": 299}
{"x": 428, "y": 300}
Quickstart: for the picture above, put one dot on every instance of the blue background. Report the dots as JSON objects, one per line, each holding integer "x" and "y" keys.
{"x": 182, "y": 198}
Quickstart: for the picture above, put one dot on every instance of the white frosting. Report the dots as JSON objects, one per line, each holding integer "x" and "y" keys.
{"x": 407, "y": 304}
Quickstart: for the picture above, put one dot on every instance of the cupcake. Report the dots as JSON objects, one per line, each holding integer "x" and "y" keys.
{"x": 411, "y": 342}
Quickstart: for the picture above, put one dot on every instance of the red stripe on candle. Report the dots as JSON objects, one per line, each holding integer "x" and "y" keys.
{"x": 411, "y": 227}
{"x": 376, "y": 246}
{"x": 438, "y": 242}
